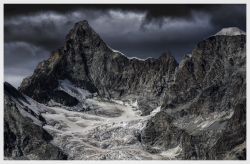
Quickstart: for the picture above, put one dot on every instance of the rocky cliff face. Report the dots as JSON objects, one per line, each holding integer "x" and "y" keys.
{"x": 204, "y": 110}
{"x": 89, "y": 63}
{"x": 192, "y": 110}
{"x": 24, "y": 138}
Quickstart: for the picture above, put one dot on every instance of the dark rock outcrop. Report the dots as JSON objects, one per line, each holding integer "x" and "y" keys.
{"x": 89, "y": 63}
{"x": 64, "y": 98}
{"x": 233, "y": 138}
{"x": 22, "y": 138}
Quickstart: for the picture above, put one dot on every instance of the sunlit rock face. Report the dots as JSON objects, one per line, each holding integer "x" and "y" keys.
{"x": 95, "y": 103}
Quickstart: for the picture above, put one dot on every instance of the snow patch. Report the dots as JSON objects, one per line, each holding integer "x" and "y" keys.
{"x": 230, "y": 31}
{"x": 135, "y": 104}
{"x": 28, "y": 115}
{"x": 130, "y": 58}
{"x": 68, "y": 87}
{"x": 215, "y": 117}
{"x": 29, "y": 106}
{"x": 116, "y": 51}
{"x": 158, "y": 109}
{"x": 172, "y": 153}
{"x": 30, "y": 103}
{"x": 118, "y": 101}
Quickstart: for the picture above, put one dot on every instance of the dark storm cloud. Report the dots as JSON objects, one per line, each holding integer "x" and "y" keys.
{"x": 39, "y": 35}
{"x": 32, "y": 32}
{"x": 229, "y": 16}
{"x": 28, "y": 54}
{"x": 45, "y": 30}
{"x": 234, "y": 13}
{"x": 20, "y": 60}
{"x": 174, "y": 36}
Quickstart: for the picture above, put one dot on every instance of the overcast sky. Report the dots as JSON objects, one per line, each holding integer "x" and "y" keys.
{"x": 32, "y": 32}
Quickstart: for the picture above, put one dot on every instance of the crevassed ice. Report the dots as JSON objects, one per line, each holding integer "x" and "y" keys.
{"x": 90, "y": 134}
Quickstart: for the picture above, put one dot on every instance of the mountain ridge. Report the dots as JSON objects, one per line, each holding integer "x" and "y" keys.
{"x": 192, "y": 110}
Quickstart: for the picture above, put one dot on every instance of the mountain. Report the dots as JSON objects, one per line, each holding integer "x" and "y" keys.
{"x": 96, "y": 103}
{"x": 87, "y": 62}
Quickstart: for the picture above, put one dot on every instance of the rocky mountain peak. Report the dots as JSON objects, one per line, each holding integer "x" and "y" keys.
{"x": 166, "y": 56}
{"x": 88, "y": 63}
{"x": 82, "y": 32}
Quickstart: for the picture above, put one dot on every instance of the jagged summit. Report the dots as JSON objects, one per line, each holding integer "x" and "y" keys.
{"x": 230, "y": 31}
{"x": 81, "y": 23}
{"x": 82, "y": 32}
{"x": 84, "y": 21}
